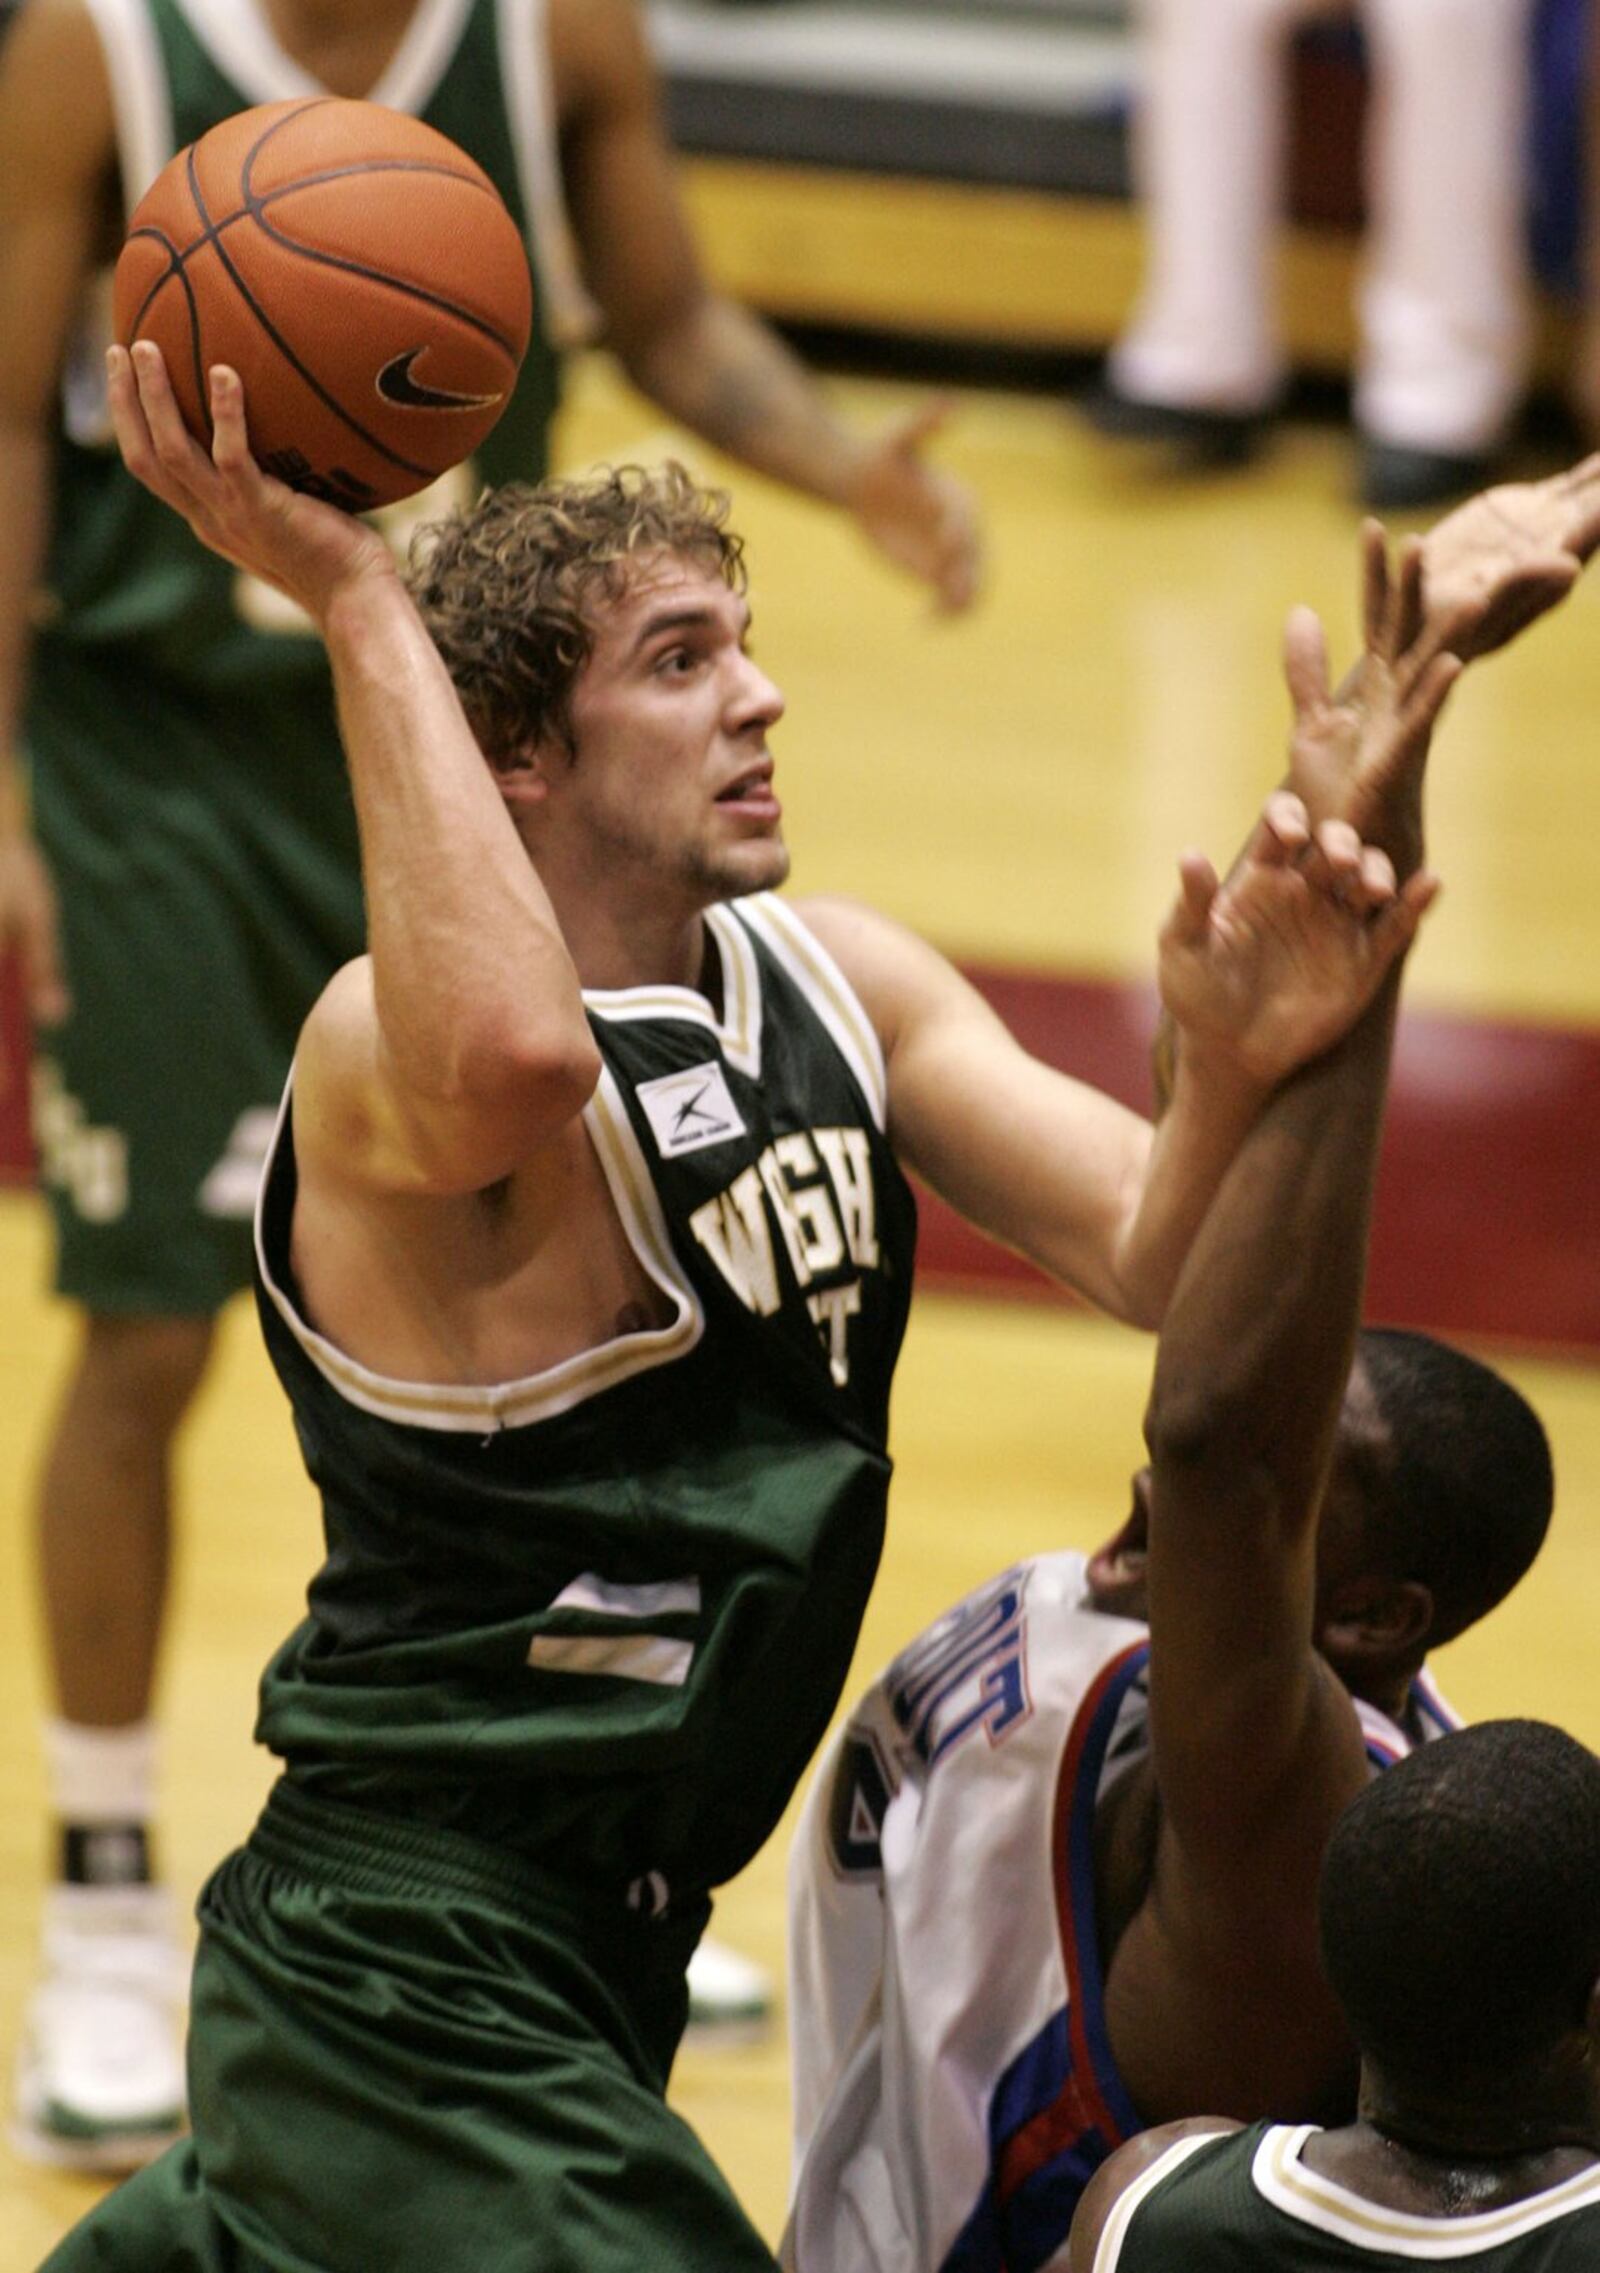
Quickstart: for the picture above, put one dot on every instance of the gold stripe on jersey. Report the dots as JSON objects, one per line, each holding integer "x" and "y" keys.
{"x": 139, "y": 93}
{"x": 829, "y": 992}
{"x": 1114, "y": 2232}
{"x": 1283, "y": 2179}
{"x": 239, "y": 38}
{"x": 738, "y": 1030}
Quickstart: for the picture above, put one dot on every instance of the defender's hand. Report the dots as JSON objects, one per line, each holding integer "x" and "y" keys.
{"x": 1508, "y": 556}
{"x": 1276, "y": 965}
{"x": 1358, "y": 755}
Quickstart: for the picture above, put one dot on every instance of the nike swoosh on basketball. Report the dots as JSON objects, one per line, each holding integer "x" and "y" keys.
{"x": 396, "y": 385}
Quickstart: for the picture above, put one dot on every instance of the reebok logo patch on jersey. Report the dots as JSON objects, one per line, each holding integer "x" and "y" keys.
{"x": 689, "y": 1110}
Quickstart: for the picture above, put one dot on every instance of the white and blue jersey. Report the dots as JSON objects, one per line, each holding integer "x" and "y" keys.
{"x": 954, "y": 2088}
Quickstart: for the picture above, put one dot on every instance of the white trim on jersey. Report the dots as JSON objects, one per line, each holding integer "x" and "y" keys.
{"x": 570, "y": 315}
{"x": 1282, "y": 2179}
{"x": 1115, "y": 2230}
{"x": 738, "y": 1030}
{"x": 828, "y": 991}
{"x": 139, "y": 93}
{"x": 241, "y": 42}
{"x": 479, "y": 1409}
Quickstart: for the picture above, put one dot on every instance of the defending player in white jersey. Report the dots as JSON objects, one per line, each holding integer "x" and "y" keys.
{"x": 1039, "y": 1904}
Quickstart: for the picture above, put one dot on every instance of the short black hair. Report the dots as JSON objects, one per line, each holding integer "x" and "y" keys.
{"x": 1460, "y": 1493}
{"x": 1460, "y": 1905}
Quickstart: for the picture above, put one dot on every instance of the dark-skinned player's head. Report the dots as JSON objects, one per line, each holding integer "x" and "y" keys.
{"x": 1460, "y": 1921}
{"x": 1438, "y": 1501}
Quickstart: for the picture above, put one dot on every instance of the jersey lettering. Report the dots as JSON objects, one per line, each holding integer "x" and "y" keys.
{"x": 969, "y": 1672}
{"x": 848, "y": 1160}
{"x": 89, "y": 1164}
{"x": 857, "y": 1805}
{"x": 818, "y": 1190}
{"x": 832, "y": 1311}
{"x": 804, "y": 1211}
{"x": 733, "y": 1230}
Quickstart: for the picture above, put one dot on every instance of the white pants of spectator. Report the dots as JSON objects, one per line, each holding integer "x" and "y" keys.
{"x": 1443, "y": 301}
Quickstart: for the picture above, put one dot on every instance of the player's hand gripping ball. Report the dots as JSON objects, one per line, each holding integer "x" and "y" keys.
{"x": 358, "y": 271}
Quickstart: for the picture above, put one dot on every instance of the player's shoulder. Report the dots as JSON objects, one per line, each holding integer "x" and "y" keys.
{"x": 1139, "y": 2161}
{"x": 52, "y": 48}
{"x": 900, "y": 978}
{"x": 858, "y": 936}
{"x": 341, "y": 1022}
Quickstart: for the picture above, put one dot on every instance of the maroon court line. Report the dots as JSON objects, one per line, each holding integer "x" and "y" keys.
{"x": 1487, "y": 1224}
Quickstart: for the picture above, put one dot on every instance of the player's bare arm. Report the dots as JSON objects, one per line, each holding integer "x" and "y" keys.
{"x": 1121, "y": 2171}
{"x": 58, "y": 197}
{"x": 445, "y": 1059}
{"x": 1058, "y": 1170}
{"x": 1256, "y": 1745}
{"x": 703, "y": 358}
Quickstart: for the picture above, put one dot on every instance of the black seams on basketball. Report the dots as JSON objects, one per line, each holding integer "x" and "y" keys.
{"x": 359, "y": 272}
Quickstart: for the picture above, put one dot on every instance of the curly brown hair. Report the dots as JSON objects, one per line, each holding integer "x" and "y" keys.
{"x": 508, "y": 587}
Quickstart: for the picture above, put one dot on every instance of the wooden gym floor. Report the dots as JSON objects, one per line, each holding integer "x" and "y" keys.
{"x": 1017, "y": 785}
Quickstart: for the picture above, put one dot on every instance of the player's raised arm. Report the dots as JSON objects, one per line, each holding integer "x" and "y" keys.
{"x": 445, "y": 1057}
{"x": 1256, "y": 1744}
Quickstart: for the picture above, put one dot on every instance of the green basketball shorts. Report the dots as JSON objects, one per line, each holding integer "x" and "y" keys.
{"x": 415, "y": 2053}
{"x": 207, "y": 875}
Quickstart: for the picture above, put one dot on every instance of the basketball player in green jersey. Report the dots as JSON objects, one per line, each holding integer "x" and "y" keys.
{"x": 584, "y": 1256}
{"x": 1461, "y": 1936}
{"x": 165, "y": 867}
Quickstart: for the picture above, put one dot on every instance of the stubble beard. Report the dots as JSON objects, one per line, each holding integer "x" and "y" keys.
{"x": 760, "y": 864}
{"x": 703, "y": 873}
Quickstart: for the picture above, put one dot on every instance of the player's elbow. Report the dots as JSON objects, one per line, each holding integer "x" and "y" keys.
{"x": 528, "y": 1071}
{"x": 1213, "y": 1440}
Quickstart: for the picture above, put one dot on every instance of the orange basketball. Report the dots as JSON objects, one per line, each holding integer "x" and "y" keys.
{"x": 358, "y": 271}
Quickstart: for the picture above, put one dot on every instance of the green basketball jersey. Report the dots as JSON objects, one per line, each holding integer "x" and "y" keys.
{"x": 189, "y": 791}
{"x": 602, "y": 1615}
{"x": 123, "y": 569}
{"x": 1216, "y": 2205}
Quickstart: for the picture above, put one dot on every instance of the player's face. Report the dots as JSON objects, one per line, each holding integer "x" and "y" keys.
{"x": 672, "y": 782}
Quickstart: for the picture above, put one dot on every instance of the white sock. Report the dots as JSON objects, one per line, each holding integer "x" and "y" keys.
{"x": 102, "y": 1792}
